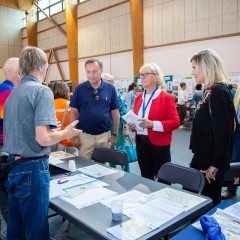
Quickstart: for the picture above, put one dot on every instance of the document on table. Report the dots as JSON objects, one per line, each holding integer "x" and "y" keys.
{"x": 55, "y": 157}
{"x": 73, "y": 181}
{"x": 183, "y": 199}
{"x": 96, "y": 170}
{"x": 127, "y": 198}
{"x": 130, "y": 116}
{"x": 129, "y": 230}
{"x": 229, "y": 226}
{"x": 55, "y": 190}
{"x": 88, "y": 197}
{"x": 156, "y": 212}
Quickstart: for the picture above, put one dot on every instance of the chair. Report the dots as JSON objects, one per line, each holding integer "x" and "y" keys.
{"x": 191, "y": 179}
{"x": 110, "y": 155}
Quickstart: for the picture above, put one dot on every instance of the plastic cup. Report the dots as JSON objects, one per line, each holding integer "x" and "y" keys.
{"x": 72, "y": 166}
{"x": 117, "y": 210}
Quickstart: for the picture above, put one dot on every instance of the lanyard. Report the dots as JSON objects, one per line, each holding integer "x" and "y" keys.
{"x": 149, "y": 100}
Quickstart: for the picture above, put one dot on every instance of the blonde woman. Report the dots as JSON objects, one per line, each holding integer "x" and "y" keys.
{"x": 213, "y": 126}
{"x": 158, "y": 118}
{"x": 232, "y": 189}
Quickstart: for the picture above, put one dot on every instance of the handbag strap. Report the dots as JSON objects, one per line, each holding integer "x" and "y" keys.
{"x": 65, "y": 114}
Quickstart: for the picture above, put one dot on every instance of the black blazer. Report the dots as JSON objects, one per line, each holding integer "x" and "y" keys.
{"x": 211, "y": 138}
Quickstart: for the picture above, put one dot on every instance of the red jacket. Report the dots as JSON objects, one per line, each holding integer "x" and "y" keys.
{"x": 163, "y": 108}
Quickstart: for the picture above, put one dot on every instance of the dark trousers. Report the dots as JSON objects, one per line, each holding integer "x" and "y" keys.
{"x": 181, "y": 113}
{"x": 213, "y": 189}
{"x": 150, "y": 156}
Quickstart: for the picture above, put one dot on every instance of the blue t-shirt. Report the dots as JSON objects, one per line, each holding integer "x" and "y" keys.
{"x": 95, "y": 109}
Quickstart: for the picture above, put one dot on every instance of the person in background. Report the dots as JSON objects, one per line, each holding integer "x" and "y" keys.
{"x": 232, "y": 90}
{"x": 182, "y": 100}
{"x": 61, "y": 94}
{"x": 197, "y": 95}
{"x": 95, "y": 104}
{"x": 11, "y": 72}
{"x": 122, "y": 131}
{"x": 232, "y": 189}
{"x": 12, "y": 76}
{"x": 29, "y": 116}
{"x": 158, "y": 118}
{"x": 213, "y": 125}
{"x": 132, "y": 93}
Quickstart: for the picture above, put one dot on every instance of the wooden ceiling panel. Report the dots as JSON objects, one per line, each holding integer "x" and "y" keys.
{"x": 22, "y": 5}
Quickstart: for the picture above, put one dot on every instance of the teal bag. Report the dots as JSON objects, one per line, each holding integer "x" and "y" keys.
{"x": 130, "y": 150}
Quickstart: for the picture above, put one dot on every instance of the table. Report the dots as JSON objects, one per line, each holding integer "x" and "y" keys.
{"x": 191, "y": 232}
{"x": 95, "y": 219}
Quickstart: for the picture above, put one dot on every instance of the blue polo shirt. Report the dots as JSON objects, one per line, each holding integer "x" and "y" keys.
{"x": 95, "y": 109}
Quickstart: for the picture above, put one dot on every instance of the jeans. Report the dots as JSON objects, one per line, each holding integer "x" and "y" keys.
{"x": 235, "y": 157}
{"x": 28, "y": 200}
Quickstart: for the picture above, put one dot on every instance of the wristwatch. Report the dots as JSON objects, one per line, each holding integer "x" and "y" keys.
{"x": 114, "y": 134}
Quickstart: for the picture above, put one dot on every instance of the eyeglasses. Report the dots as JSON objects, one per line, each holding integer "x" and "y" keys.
{"x": 143, "y": 75}
{"x": 95, "y": 92}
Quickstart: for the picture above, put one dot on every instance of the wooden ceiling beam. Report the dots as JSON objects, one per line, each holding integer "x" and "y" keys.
{"x": 72, "y": 40}
{"x": 22, "y": 5}
{"x": 136, "y": 8}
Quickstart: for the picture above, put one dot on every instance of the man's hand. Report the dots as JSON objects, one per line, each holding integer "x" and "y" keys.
{"x": 113, "y": 140}
{"x": 210, "y": 173}
{"x": 71, "y": 131}
{"x": 76, "y": 142}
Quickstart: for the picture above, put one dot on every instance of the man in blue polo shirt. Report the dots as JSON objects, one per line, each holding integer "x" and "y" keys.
{"x": 95, "y": 105}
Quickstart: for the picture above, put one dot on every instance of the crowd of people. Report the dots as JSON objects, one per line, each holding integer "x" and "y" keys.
{"x": 38, "y": 117}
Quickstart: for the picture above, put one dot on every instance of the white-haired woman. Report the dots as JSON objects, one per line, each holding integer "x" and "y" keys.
{"x": 158, "y": 118}
{"x": 213, "y": 125}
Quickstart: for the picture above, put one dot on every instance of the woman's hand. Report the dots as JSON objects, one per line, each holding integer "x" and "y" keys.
{"x": 132, "y": 126}
{"x": 125, "y": 131}
{"x": 210, "y": 173}
{"x": 145, "y": 123}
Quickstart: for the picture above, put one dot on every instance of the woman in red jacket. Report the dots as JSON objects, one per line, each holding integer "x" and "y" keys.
{"x": 158, "y": 118}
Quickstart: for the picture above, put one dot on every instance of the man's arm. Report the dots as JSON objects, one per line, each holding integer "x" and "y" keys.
{"x": 116, "y": 120}
{"x": 74, "y": 115}
{"x": 46, "y": 137}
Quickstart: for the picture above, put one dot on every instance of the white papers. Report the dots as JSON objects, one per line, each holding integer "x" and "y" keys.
{"x": 89, "y": 197}
{"x": 96, "y": 170}
{"x": 155, "y": 212}
{"x": 127, "y": 198}
{"x": 73, "y": 181}
{"x": 130, "y": 116}
{"x": 129, "y": 230}
{"x": 230, "y": 228}
{"x": 183, "y": 199}
{"x": 55, "y": 190}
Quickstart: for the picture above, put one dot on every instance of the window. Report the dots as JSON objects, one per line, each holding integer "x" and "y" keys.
{"x": 50, "y": 7}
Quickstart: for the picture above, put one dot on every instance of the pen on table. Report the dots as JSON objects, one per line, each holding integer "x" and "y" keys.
{"x": 59, "y": 176}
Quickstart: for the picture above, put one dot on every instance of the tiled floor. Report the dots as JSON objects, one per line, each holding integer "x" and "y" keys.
{"x": 180, "y": 155}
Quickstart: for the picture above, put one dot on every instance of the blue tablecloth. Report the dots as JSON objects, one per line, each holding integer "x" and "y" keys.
{"x": 192, "y": 233}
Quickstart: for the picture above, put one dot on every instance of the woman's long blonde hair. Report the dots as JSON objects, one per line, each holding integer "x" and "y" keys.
{"x": 237, "y": 99}
{"x": 210, "y": 66}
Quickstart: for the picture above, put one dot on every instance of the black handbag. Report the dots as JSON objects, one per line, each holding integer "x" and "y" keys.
{"x": 232, "y": 175}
